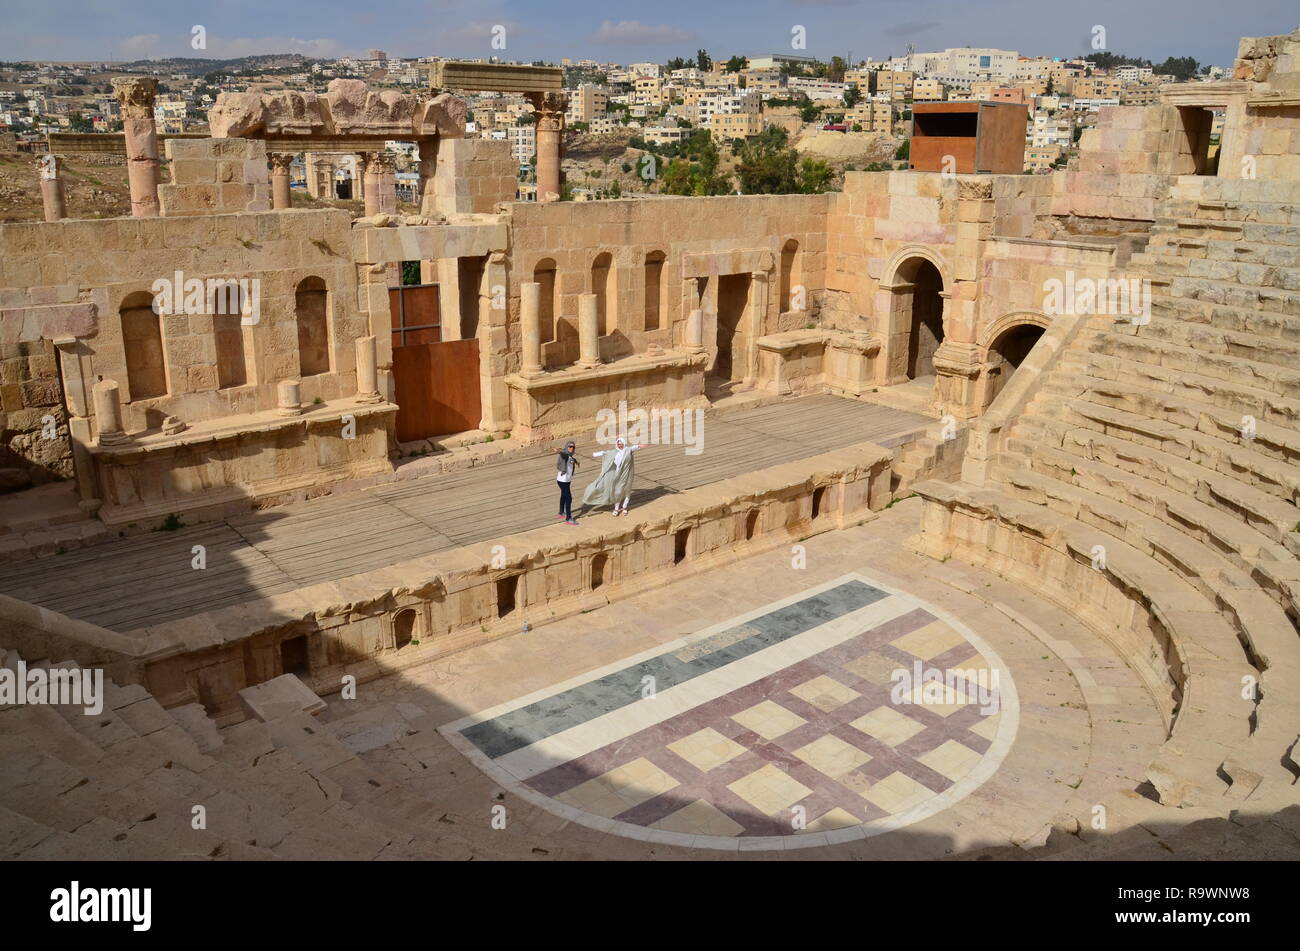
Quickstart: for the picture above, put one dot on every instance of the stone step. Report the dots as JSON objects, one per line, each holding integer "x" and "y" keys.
{"x": 1139, "y": 438}
{"x": 1174, "y": 247}
{"x": 1211, "y": 722}
{"x": 1277, "y": 418}
{"x": 1234, "y": 211}
{"x": 1265, "y": 637}
{"x": 1205, "y": 435}
{"x": 1253, "y": 232}
{"x": 1234, "y": 294}
{"x": 1232, "y": 343}
{"x": 1085, "y": 460}
{"x": 1248, "y": 274}
{"x": 1257, "y": 322}
{"x": 1282, "y": 381}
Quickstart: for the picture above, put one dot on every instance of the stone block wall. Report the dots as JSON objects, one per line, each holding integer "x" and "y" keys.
{"x": 34, "y": 443}
{"x": 457, "y": 595}
{"x": 573, "y": 234}
{"x": 472, "y": 176}
{"x": 215, "y": 176}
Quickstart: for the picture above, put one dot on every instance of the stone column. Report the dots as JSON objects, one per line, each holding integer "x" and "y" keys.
{"x": 382, "y": 186}
{"x": 758, "y": 294}
{"x": 371, "y": 187}
{"x": 549, "y": 109}
{"x": 494, "y": 345}
{"x": 74, "y": 361}
{"x": 588, "y": 332}
{"x": 288, "y": 397}
{"x": 367, "y": 371}
{"x": 136, "y": 94}
{"x": 694, "y": 341}
{"x": 280, "y": 162}
{"x": 56, "y": 207}
{"x": 108, "y": 414}
{"x": 428, "y": 168}
{"x": 359, "y": 179}
{"x": 530, "y": 325}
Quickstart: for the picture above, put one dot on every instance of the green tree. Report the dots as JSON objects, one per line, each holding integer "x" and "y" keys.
{"x": 904, "y": 150}
{"x": 815, "y": 176}
{"x": 702, "y": 60}
{"x": 735, "y": 64}
{"x": 852, "y": 96}
{"x": 835, "y": 71}
{"x": 767, "y": 164}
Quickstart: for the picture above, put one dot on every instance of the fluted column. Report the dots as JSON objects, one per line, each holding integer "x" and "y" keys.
{"x": 588, "y": 332}
{"x": 52, "y": 198}
{"x": 530, "y": 324}
{"x": 280, "y": 162}
{"x": 136, "y": 94}
{"x": 549, "y": 109}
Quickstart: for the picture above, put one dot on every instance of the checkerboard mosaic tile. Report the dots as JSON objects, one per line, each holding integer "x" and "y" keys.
{"x": 783, "y": 728}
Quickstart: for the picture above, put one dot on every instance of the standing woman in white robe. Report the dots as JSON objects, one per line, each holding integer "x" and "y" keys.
{"x": 614, "y": 484}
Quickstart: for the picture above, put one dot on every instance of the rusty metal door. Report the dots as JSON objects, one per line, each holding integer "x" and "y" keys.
{"x": 437, "y": 382}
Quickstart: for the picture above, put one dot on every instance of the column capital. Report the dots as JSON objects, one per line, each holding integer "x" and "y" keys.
{"x": 136, "y": 94}
{"x": 549, "y": 108}
{"x": 281, "y": 161}
{"x": 384, "y": 161}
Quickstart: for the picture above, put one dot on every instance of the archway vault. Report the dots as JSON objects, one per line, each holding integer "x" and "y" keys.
{"x": 1009, "y": 321}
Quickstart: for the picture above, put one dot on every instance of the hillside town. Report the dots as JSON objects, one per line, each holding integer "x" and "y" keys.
{"x": 627, "y": 125}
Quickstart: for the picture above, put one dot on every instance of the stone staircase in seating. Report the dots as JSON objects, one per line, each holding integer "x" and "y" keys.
{"x": 123, "y": 784}
{"x": 1151, "y": 484}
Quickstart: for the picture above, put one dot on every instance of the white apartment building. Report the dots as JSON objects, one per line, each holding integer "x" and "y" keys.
{"x": 523, "y": 142}
{"x": 1050, "y": 130}
{"x": 1130, "y": 73}
{"x": 815, "y": 88}
{"x": 652, "y": 70}
{"x": 966, "y": 63}
{"x": 728, "y": 103}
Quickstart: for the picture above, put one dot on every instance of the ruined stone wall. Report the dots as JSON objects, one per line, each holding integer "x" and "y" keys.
{"x": 113, "y": 262}
{"x": 473, "y": 176}
{"x": 574, "y": 234}
{"x": 34, "y": 443}
{"x": 1124, "y": 165}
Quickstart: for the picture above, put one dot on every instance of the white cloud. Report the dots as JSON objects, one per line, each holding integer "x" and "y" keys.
{"x": 140, "y": 46}
{"x": 634, "y": 31}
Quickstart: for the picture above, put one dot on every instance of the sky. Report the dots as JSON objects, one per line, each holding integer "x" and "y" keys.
{"x": 632, "y": 30}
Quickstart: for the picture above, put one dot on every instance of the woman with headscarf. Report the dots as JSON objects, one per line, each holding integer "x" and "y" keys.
{"x": 565, "y": 462}
{"x": 614, "y": 484}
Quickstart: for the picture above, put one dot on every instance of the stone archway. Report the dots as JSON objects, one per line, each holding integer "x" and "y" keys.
{"x": 914, "y": 296}
{"x": 1004, "y": 347}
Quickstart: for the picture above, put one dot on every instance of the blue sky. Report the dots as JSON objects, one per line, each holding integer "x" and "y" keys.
{"x": 631, "y": 30}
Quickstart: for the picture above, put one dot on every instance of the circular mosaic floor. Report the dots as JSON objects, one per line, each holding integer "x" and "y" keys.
{"x": 843, "y": 712}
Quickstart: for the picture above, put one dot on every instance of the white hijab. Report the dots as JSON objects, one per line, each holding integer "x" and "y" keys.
{"x": 620, "y": 451}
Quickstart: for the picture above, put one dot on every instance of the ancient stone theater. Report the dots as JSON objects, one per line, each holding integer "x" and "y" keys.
{"x": 964, "y": 521}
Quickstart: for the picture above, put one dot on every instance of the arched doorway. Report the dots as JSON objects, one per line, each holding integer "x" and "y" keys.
{"x": 1007, "y": 351}
{"x": 926, "y": 317}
